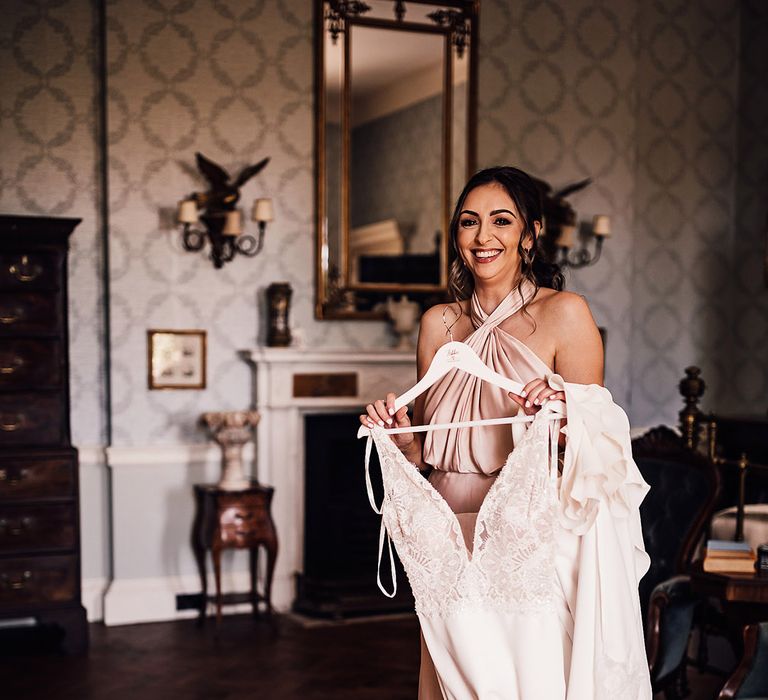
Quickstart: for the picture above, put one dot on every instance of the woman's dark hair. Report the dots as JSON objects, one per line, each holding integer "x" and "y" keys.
{"x": 527, "y": 198}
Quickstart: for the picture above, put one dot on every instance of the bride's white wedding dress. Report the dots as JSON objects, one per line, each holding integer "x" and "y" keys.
{"x": 526, "y": 580}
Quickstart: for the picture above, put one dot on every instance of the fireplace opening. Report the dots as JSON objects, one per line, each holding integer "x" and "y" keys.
{"x": 341, "y": 531}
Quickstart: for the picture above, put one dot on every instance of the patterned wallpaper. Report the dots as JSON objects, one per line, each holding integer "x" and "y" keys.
{"x": 557, "y": 98}
{"x": 50, "y": 165}
{"x": 686, "y": 143}
{"x": 232, "y": 80}
{"x": 643, "y": 97}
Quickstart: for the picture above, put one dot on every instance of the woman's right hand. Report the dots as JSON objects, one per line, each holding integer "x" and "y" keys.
{"x": 383, "y": 413}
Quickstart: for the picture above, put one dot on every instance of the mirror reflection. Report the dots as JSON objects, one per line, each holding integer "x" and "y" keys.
{"x": 396, "y": 130}
{"x": 393, "y": 153}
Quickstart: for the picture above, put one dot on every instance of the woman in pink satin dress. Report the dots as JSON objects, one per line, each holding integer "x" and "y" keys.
{"x": 511, "y": 308}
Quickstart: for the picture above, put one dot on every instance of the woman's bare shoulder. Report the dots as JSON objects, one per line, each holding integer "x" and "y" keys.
{"x": 437, "y": 319}
{"x": 578, "y": 345}
{"x": 439, "y": 315}
{"x": 563, "y": 308}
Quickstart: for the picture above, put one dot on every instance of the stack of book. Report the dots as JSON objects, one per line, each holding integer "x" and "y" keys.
{"x": 726, "y": 557}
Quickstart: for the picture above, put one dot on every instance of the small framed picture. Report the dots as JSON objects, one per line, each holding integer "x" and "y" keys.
{"x": 176, "y": 359}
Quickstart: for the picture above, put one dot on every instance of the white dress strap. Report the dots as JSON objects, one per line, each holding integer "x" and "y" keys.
{"x": 383, "y": 534}
{"x": 554, "y": 435}
{"x": 368, "y": 484}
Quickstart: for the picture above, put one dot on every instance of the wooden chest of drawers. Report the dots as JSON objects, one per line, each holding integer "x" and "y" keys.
{"x": 39, "y": 518}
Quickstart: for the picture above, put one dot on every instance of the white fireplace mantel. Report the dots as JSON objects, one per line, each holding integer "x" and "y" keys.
{"x": 280, "y": 432}
{"x": 326, "y": 356}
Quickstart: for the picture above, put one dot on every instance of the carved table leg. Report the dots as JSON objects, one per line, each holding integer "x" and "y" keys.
{"x": 271, "y": 547}
{"x": 254, "y": 557}
{"x": 198, "y": 548}
{"x": 216, "y": 555}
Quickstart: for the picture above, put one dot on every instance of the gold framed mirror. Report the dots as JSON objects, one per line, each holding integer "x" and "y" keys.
{"x": 395, "y": 121}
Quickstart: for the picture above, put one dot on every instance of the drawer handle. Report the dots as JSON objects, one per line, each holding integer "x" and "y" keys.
{"x": 8, "y": 319}
{"x": 16, "y": 583}
{"x": 24, "y": 272}
{"x": 15, "y": 528}
{"x": 15, "y": 364}
{"x": 9, "y": 425}
{"x": 13, "y": 481}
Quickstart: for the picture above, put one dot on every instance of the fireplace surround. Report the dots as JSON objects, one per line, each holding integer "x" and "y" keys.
{"x": 290, "y": 387}
{"x": 341, "y": 531}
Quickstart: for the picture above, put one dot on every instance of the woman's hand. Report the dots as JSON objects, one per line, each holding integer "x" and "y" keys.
{"x": 534, "y": 393}
{"x": 383, "y": 413}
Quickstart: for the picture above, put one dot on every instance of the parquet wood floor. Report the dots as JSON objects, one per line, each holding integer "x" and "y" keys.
{"x": 249, "y": 660}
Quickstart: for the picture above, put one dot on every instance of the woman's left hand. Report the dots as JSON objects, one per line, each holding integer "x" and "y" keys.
{"x": 534, "y": 394}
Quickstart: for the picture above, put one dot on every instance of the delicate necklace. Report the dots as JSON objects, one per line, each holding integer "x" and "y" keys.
{"x": 453, "y": 323}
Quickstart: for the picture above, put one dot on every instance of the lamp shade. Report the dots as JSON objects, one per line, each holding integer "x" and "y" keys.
{"x": 567, "y": 236}
{"x": 262, "y": 210}
{"x": 187, "y": 213}
{"x": 601, "y": 225}
{"x": 232, "y": 224}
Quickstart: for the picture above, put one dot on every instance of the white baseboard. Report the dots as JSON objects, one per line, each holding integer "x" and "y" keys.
{"x": 131, "y": 601}
{"x": 93, "y": 590}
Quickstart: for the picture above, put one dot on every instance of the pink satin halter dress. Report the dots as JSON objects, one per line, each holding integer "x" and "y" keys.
{"x": 467, "y": 460}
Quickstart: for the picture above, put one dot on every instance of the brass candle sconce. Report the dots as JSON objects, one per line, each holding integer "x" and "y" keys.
{"x": 562, "y": 230}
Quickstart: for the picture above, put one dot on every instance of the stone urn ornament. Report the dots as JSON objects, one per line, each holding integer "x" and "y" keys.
{"x": 231, "y": 430}
{"x": 404, "y": 314}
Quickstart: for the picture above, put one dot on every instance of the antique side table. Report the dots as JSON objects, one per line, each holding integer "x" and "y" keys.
{"x": 238, "y": 519}
{"x": 746, "y": 595}
{"x": 743, "y": 599}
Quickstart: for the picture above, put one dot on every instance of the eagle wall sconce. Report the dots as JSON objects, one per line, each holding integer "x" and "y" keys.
{"x": 222, "y": 221}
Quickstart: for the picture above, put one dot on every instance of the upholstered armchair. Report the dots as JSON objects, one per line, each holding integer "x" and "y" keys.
{"x": 670, "y": 619}
{"x": 750, "y": 679}
{"x": 684, "y": 489}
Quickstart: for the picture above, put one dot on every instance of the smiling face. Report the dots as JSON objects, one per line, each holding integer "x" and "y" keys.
{"x": 489, "y": 234}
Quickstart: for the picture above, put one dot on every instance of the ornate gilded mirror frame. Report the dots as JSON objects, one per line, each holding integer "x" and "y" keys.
{"x": 340, "y": 294}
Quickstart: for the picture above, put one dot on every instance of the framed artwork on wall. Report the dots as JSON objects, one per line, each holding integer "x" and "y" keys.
{"x": 176, "y": 359}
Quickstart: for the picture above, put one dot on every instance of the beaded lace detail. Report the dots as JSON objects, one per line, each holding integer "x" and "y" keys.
{"x": 511, "y": 568}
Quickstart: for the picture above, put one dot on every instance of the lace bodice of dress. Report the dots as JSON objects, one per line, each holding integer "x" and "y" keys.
{"x": 512, "y": 565}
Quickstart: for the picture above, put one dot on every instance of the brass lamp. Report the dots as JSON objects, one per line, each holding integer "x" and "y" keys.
{"x": 560, "y": 227}
{"x": 581, "y": 257}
